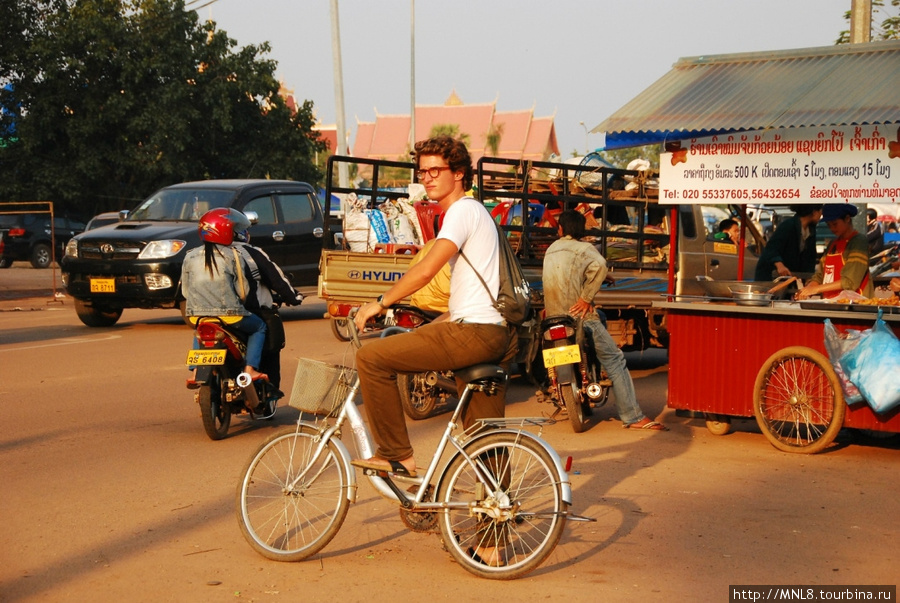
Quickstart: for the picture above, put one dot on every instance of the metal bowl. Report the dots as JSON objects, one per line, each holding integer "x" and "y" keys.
{"x": 752, "y": 298}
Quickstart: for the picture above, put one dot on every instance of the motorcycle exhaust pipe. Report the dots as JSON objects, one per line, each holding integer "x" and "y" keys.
{"x": 433, "y": 379}
{"x": 245, "y": 382}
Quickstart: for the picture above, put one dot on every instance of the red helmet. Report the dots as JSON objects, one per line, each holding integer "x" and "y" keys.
{"x": 220, "y": 225}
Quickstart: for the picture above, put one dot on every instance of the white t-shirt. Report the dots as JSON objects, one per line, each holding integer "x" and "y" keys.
{"x": 470, "y": 227}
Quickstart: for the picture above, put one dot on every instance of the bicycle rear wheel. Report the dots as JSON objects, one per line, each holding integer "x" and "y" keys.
{"x": 532, "y": 513}
{"x": 285, "y": 521}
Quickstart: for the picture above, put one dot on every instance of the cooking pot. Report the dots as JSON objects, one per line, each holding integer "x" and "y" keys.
{"x": 752, "y": 298}
{"x": 714, "y": 288}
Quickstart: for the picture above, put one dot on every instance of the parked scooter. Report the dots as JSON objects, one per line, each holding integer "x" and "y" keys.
{"x": 223, "y": 389}
{"x": 577, "y": 382}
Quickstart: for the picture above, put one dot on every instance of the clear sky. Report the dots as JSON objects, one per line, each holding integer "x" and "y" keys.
{"x": 579, "y": 60}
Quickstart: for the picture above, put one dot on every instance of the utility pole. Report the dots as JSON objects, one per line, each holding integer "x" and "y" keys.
{"x": 412, "y": 74}
{"x": 860, "y": 33}
{"x": 343, "y": 174}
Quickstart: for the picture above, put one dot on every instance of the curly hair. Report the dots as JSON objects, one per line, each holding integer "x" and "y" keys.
{"x": 453, "y": 151}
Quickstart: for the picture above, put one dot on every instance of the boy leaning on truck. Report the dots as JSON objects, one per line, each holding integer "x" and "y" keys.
{"x": 573, "y": 273}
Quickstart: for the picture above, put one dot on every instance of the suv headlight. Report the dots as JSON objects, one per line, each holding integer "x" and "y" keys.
{"x": 157, "y": 250}
{"x": 72, "y": 249}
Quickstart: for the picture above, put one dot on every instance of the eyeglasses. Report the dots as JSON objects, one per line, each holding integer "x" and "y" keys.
{"x": 433, "y": 172}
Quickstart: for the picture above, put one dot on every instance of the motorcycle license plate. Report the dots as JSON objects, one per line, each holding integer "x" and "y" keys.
{"x": 569, "y": 354}
{"x": 205, "y": 357}
{"x": 103, "y": 285}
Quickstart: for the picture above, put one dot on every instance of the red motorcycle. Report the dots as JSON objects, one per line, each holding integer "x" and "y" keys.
{"x": 223, "y": 389}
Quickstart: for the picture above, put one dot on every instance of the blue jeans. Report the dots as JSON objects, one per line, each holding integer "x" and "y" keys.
{"x": 254, "y": 328}
{"x": 613, "y": 360}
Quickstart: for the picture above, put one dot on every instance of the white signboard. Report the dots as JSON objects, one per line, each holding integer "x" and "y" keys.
{"x": 854, "y": 164}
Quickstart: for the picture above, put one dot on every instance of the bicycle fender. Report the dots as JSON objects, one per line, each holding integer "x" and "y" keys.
{"x": 561, "y": 474}
{"x": 349, "y": 470}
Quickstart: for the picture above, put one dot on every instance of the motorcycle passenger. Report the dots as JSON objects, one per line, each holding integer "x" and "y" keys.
{"x": 265, "y": 277}
{"x": 214, "y": 283}
{"x": 573, "y": 273}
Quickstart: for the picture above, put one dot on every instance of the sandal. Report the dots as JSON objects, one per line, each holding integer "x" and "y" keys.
{"x": 385, "y": 466}
{"x": 650, "y": 425}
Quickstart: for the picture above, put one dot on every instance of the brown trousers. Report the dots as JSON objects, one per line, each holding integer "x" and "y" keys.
{"x": 437, "y": 346}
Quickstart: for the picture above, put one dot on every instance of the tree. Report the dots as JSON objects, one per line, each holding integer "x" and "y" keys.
{"x": 888, "y": 28}
{"x": 116, "y": 98}
{"x": 622, "y": 157}
{"x": 451, "y": 130}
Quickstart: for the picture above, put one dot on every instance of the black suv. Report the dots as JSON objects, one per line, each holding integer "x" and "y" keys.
{"x": 27, "y": 237}
{"x": 136, "y": 263}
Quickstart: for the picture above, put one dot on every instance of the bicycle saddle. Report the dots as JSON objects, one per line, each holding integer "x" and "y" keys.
{"x": 479, "y": 372}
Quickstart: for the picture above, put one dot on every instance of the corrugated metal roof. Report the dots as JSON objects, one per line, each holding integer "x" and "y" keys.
{"x": 847, "y": 84}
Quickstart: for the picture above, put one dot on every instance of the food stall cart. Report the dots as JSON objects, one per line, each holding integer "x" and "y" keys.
{"x": 727, "y": 360}
{"x": 830, "y": 135}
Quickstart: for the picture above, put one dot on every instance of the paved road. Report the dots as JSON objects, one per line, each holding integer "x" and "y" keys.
{"x": 111, "y": 491}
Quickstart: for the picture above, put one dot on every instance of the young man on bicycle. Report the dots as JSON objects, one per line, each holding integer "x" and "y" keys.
{"x": 472, "y": 332}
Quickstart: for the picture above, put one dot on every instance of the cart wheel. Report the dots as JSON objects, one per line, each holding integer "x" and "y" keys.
{"x": 797, "y": 400}
{"x": 718, "y": 425}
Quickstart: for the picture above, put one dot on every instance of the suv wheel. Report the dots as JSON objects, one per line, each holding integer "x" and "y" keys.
{"x": 94, "y": 316}
{"x": 40, "y": 256}
{"x": 5, "y": 262}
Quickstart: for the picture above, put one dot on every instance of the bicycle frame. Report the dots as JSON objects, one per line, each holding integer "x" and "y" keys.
{"x": 386, "y": 486}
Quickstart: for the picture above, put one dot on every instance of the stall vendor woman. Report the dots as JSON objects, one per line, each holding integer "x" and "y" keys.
{"x": 845, "y": 264}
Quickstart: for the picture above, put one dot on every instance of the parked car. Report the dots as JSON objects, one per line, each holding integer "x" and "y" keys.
{"x": 28, "y": 237}
{"x": 107, "y": 217}
{"x": 136, "y": 263}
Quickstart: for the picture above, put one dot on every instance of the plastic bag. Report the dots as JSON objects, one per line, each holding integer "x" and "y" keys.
{"x": 379, "y": 227}
{"x": 837, "y": 345}
{"x": 356, "y": 224}
{"x": 874, "y": 366}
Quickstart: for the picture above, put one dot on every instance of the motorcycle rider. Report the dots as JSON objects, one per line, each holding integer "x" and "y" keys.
{"x": 228, "y": 278}
{"x": 573, "y": 273}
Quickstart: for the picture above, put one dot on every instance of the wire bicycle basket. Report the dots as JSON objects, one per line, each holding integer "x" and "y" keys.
{"x": 320, "y": 388}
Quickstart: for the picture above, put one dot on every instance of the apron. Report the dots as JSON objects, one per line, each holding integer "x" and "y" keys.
{"x": 834, "y": 263}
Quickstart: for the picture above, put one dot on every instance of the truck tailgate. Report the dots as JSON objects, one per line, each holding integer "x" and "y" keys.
{"x": 358, "y": 277}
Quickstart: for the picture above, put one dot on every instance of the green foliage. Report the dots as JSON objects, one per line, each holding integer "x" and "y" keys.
{"x": 451, "y": 130}
{"x": 116, "y": 98}
{"x": 622, "y": 157}
{"x": 885, "y": 22}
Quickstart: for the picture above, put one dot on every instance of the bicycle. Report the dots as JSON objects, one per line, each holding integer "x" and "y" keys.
{"x": 503, "y": 488}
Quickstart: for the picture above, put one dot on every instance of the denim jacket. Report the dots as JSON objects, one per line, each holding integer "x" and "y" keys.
{"x": 215, "y": 295}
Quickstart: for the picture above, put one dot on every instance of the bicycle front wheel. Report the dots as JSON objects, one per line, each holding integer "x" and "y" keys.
{"x": 504, "y": 533}
{"x": 284, "y": 520}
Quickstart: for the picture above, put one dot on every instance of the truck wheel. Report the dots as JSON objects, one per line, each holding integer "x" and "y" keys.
{"x": 340, "y": 329}
{"x": 94, "y": 316}
{"x": 5, "y": 262}
{"x": 40, "y": 256}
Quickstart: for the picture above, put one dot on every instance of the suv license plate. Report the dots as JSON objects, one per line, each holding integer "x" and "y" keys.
{"x": 205, "y": 357}
{"x": 569, "y": 354}
{"x": 103, "y": 285}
